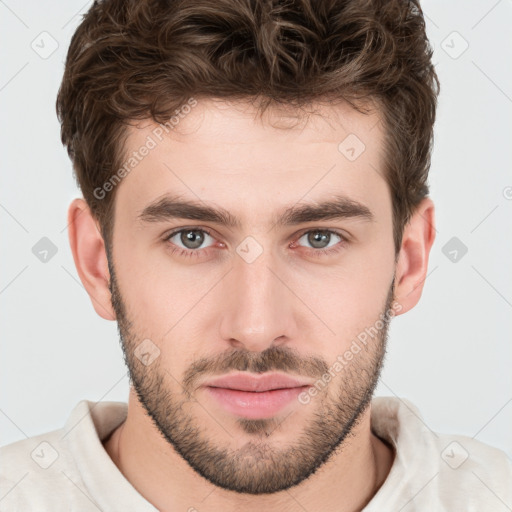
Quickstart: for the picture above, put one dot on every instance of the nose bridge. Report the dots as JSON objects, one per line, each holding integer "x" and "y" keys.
{"x": 258, "y": 306}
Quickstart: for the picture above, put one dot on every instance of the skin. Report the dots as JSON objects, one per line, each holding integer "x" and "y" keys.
{"x": 286, "y": 310}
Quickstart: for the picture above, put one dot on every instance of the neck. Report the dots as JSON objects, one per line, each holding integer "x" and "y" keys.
{"x": 346, "y": 482}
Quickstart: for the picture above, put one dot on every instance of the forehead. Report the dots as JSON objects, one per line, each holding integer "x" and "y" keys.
{"x": 239, "y": 122}
{"x": 226, "y": 153}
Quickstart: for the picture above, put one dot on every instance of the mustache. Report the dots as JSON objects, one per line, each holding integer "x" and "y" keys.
{"x": 275, "y": 358}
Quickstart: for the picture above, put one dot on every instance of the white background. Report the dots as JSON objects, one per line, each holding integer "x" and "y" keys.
{"x": 451, "y": 355}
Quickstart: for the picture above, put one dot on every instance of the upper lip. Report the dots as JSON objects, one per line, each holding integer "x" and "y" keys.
{"x": 246, "y": 382}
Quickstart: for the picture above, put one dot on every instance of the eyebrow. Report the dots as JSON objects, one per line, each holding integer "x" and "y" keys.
{"x": 174, "y": 207}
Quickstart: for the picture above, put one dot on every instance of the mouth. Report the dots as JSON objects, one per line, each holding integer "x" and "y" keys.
{"x": 255, "y": 397}
{"x": 258, "y": 383}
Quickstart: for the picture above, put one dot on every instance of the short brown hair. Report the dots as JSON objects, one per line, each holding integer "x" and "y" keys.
{"x": 143, "y": 59}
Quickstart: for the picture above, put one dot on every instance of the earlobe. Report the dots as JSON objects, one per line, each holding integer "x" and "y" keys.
{"x": 90, "y": 257}
{"x": 412, "y": 265}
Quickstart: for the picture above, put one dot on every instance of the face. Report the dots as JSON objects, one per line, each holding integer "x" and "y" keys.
{"x": 287, "y": 268}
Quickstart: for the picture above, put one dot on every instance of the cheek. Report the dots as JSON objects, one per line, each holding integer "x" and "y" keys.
{"x": 166, "y": 303}
{"x": 158, "y": 291}
{"x": 349, "y": 297}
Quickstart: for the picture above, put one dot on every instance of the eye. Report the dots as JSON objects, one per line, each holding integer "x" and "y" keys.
{"x": 323, "y": 241}
{"x": 189, "y": 242}
{"x": 189, "y": 238}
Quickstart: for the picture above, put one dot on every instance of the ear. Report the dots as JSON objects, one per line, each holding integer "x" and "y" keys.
{"x": 411, "y": 268}
{"x": 90, "y": 257}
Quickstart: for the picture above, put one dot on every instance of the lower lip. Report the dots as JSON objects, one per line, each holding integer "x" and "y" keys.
{"x": 255, "y": 405}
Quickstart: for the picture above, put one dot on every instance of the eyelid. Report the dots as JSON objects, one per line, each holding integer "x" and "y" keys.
{"x": 210, "y": 232}
{"x": 318, "y": 252}
{"x": 341, "y": 234}
{"x": 326, "y": 251}
{"x": 171, "y": 233}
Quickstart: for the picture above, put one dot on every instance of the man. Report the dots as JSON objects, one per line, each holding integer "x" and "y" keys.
{"x": 255, "y": 212}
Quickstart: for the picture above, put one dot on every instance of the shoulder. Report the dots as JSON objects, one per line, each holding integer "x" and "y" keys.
{"x": 451, "y": 472}
{"x": 481, "y": 473}
{"x": 45, "y": 472}
{"x": 35, "y": 473}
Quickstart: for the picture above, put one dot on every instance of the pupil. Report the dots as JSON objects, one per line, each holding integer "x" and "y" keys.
{"x": 319, "y": 240}
{"x": 192, "y": 239}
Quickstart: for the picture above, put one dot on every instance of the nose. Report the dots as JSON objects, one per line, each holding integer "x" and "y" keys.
{"x": 258, "y": 310}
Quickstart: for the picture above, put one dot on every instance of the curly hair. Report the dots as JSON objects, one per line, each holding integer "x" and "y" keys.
{"x": 132, "y": 60}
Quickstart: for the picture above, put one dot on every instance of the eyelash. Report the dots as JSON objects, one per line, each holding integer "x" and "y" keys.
{"x": 188, "y": 253}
